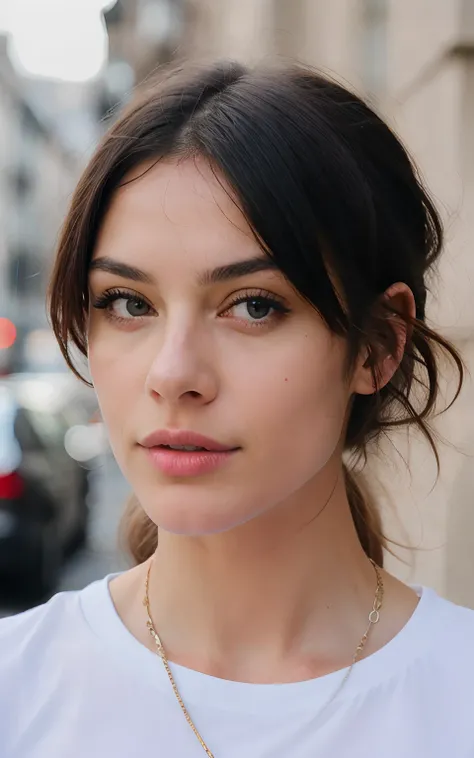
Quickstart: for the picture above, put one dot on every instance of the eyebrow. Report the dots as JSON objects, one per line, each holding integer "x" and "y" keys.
{"x": 120, "y": 269}
{"x": 237, "y": 269}
{"x": 213, "y": 276}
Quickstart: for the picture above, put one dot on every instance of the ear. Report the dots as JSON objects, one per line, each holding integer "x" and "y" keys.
{"x": 385, "y": 357}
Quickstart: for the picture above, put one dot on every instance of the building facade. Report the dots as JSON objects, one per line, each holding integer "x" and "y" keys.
{"x": 41, "y": 155}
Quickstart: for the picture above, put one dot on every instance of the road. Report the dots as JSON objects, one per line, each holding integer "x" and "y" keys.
{"x": 101, "y": 556}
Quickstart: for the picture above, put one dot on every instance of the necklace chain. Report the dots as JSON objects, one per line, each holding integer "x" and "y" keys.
{"x": 373, "y": 619}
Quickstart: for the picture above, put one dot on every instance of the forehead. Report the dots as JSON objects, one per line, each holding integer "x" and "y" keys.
{"x": 174, "y": 208}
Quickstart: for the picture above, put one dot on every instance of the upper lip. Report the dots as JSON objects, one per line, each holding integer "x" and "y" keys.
{"x": 178, "y": 437}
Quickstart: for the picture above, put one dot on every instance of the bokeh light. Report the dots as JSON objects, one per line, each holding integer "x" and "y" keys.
{"x": 57, "y": 39}
{"x": 7, "y": 333}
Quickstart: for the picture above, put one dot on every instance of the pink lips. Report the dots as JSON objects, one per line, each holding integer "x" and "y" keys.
{"x": 181, "y": 463}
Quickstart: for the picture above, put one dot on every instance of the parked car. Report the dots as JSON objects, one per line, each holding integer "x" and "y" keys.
{"x": 43, "y": 489}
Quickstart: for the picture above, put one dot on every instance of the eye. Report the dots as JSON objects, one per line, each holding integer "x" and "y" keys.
{"x": 130, "y": 307}
{"x": 122, "y": 306}
{"x": 255, "y": 309}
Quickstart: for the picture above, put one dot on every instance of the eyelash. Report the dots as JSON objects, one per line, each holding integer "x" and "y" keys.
{"x": 279, "y": 309}
{"x": 105, "y": 301}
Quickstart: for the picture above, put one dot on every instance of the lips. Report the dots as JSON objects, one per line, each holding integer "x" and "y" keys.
{"x": 185, "y": 454}
{"x": 170, "y": 438}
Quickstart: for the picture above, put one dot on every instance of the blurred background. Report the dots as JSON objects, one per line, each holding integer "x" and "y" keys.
{"x": 66, "y": 67}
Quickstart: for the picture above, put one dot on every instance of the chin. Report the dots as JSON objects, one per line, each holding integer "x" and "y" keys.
{"x": 191, "y": 526}
{"x": 190, "y": 518}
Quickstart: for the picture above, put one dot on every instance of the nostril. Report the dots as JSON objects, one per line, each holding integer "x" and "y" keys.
{"x": 193, "y": 393}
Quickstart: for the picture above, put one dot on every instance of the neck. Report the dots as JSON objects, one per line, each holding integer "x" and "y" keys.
{"x": 283, "y": 587}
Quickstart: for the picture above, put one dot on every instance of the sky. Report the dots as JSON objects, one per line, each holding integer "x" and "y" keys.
{"x": 64, "y": 40}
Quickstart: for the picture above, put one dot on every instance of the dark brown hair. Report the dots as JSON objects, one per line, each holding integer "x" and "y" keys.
{"x": 331, "y": 196}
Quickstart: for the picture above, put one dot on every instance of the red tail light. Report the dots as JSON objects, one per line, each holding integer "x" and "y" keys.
{"x": 11, "y": 486}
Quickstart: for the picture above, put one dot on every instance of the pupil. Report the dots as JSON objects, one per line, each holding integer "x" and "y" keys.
{"x": 258, "y": 309}
{"x": 136, "y": 307}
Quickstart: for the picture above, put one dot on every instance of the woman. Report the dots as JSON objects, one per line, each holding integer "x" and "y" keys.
{"x": 244, "y": 267}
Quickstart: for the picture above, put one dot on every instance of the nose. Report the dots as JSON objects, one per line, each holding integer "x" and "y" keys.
{"x": 182, "y": 370}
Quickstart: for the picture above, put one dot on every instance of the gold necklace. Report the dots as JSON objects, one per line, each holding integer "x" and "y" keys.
{"x": 373, "y": 619}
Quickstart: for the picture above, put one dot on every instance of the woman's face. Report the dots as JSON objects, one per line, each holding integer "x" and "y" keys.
{"x": 192, "y": 330}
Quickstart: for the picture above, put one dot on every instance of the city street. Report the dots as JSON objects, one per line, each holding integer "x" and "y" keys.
{"x": 101, "y": 556}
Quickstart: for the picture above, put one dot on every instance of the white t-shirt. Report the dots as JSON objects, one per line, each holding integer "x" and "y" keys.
{"x": 74, "y": 683}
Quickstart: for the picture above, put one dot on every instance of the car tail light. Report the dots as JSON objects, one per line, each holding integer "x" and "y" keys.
{"x": 11, "y": 486}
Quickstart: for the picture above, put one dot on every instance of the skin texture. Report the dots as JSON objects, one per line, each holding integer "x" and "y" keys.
{"x": 264, "y": 548}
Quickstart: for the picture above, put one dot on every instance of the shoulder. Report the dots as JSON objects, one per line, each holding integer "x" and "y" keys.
{"x": 452, "y": 619}
{"x": 46, "y": 640}
{"x": 21, "y": 636}
{"x": 41, "y": 651}
{"x": 447, "y": 637}
{"x": 30, "y": 622}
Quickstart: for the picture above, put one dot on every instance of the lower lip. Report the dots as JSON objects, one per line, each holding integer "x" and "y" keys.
{"x": 187, "y": 463}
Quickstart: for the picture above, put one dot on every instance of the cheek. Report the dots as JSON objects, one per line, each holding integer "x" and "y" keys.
{"x": 297, "y": 410}
{"x": 116, "y": 376}
{"x": 117, "y": 358}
